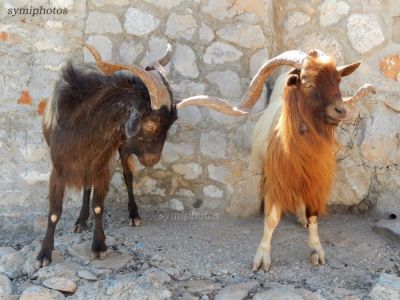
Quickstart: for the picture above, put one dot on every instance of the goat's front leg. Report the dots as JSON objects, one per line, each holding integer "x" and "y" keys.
{"x": 317, "y": 254}
{"x": 134, "y": 218}
{"x": 81, "y": 222}
{"x": 263, "y": 255}
{"x": 99, "y": 248}
{"x": 56, "y": 195}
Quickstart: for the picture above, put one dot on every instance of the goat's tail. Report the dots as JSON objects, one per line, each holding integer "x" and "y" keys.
{"x": 49, "y": 120}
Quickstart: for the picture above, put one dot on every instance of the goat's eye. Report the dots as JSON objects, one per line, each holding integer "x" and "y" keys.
{"x": 149, "y": 126}
{"x": 306, "y": 84}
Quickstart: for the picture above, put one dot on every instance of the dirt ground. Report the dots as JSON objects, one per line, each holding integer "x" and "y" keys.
{"x": 221, "y": 249}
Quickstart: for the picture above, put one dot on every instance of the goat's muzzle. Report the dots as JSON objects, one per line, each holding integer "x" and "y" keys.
{"x": 149, "y": 159}
{"x": 336, "y": 113}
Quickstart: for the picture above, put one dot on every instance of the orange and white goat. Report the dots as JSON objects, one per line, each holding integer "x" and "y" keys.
{"x": 295, "y": 144}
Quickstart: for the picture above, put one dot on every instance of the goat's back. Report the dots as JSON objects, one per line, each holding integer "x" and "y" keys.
{"x": 267, "y": 121}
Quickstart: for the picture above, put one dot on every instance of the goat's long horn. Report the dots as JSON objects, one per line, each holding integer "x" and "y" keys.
{"x": 361, "y": 92}
{"x": 159, "y": 95}
{"x": 212, "y": 103}
{"x": 291, "y": 58}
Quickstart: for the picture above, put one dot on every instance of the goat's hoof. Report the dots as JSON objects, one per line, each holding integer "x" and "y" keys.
{"x": 79, "y": 228}
{"x": 135, "y": 222}
{"x": 99, "y": 250}
{"x": 317, "y": 257}
{"x": 98, "y": 255}
{"x": 261, "y": 261}
{"x": 43, "y": 259}
{"x": 303, "y": 224}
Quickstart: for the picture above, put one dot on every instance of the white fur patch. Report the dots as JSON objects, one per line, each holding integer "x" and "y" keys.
{"x": 97, "y": 210}
{"x": 262, "y": 129}
{"x": 53, "y": 218}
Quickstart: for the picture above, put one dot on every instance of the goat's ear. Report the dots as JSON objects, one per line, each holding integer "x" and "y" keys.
{"x": 293, "y": 79}
{"x": 348, "y": 69}
{"x": 132, "y": 125}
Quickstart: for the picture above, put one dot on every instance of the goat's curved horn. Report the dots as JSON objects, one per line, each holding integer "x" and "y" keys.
{"x": 361, "y": 92}
{"x": 214, "y": 103}
{"x": 291, "y": 58}
{"x": 159, "y": 94}
{"x": 317, "y": 53}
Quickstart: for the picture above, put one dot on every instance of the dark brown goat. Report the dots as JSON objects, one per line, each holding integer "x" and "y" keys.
{"x": 93, "y": 115}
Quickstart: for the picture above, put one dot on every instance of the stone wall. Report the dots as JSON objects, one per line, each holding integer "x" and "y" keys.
{"x": 218, "y": 45}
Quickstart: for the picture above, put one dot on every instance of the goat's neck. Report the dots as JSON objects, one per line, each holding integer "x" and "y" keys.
{"x": 298, "y": 133}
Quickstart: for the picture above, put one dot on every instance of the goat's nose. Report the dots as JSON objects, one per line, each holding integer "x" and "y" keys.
{"x": 341, "y": 111}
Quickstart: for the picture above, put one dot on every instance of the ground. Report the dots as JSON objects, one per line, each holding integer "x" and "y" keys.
{"x": 200, "y": 255}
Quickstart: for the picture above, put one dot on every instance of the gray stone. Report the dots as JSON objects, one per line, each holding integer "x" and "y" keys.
{"x": 55, "y": 270}
{"x": 378, "y": 137}
{"x": 5, "y": 286}
{"x": 277, "y": 294}
{"x": 213, "y": 191}
{"x": 173, "y": 152}
{"x": 129, "y": 286}
{"x": 189, "y": 117}
{"x": 390, "y": 229}
{"x": 6, "y": 250}
{"x": 81, "y": 251}
{"x": 365, "y": 32}
{"x": 60, "y": 284}
{"x": 100, "y": 3}
{"x": 325, "y": 43}
{"x": 213, "y": 144}
{"x": 206, "y": 34}
{"x": 237, "y": 291}
{"x": 98, "y": 22}
{"x": 181, "y": 26}
{"x": 84, "y": 274}
{"x": 387, "y": 288}
{"x": 248, "y": 18}
{"x": 228, "y": 83}
{"x": 245, "y": 196}
{"x": 33, "y": 177}
{"x": 331, "y": 11}
{"x": 165, "y": 3}
{"x": 201, "y": 286}
{"x": 40, "y": 293}
{"x": 190, "y": 170}
{"x": 102, "y": 43}
{"x": 219, "y": 9}
{"x": 176, "y": 205}
{"x": 139, "y": 22}
{"x": 218, "y": 173}
{"x": 129, "y": 51}
{"x": 187, "y": 88}
{"x": 257, "y": 60}
{"x": 184, "y": 61}
{"x": 295, "y": 20}
{"x": 146, "y": 185}
{"x": 113, "y": 261}
{"x": 155, "y": 50}
{"x": 18, "y": 263}
{"x": 220, "y": 53}
{"x": 244, "y": 35}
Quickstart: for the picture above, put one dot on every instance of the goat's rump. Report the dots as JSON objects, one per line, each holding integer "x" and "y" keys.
{"x": 86, "y": 115}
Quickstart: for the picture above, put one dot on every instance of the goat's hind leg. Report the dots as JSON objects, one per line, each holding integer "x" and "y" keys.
{"x": 317, "y": 254}
{"x": 301, "y": 215}
{"x": 263, "y": 255}
{"x": 99, "y": 248}
{"x": 56, "y": 195}
{"x": 81, "y": 222}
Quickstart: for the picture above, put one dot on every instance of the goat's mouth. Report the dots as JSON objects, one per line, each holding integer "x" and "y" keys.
{"x": 149, "y": 160}
{"x": 335, "y": 120}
